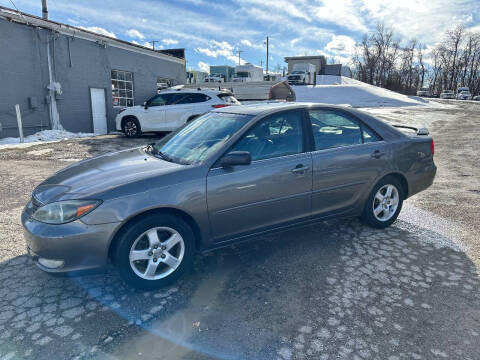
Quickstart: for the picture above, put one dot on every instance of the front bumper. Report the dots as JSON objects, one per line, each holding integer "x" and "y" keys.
{"x": 79, "y": 246}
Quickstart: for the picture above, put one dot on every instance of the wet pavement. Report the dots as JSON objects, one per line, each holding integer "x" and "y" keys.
{"x": 336, "y": 290}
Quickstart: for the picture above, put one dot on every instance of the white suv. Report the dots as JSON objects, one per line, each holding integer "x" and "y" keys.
{"x": 170, "y": 109}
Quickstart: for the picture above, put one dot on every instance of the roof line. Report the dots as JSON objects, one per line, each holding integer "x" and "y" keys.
{"x": 29, "y": 19}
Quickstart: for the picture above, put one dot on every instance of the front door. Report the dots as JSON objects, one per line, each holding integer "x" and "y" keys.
{"x": 99, "y": 110}
{"x": 153, "y": 117}
{"x": 348, "y": 157}
{"x": 275, "y": 188}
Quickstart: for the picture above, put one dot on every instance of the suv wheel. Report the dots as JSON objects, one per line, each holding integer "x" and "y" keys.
{"x": 154, "y": 251}
{"x": 131, "y": 127}
{"x": 384, "y": 203}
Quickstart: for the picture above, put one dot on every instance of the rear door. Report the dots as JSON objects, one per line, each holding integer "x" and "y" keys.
{"x": 275, "y": 188}
{"x": 348, "y": 157}
{"x": 183, "y": 105}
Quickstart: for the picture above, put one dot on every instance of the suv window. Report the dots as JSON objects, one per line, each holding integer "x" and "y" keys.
{"x": 193, "y": 98}
{"x": 277, "y": 135}
{"x": 157, "y": 100}
{"x": 332, "y": 129}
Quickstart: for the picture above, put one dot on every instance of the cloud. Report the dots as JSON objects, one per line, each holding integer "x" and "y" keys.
{"x": 170, "y": 41}
{"x": 246, "y": 42}
{"x": 133, "y": 33}
{"x": 99, "y": 30}
{"x": 341, "y": 44}
{"x": 203, "y": 66}
{"x": 219, "y": 49}
{"x": 257, "y": 46}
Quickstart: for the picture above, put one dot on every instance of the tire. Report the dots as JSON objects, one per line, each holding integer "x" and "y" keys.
{"x": 390, "y": 209}
{"x": 131, "y": 127}
{"x": 154, "y": 266}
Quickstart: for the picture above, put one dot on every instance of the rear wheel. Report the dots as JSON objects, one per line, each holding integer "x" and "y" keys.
{"x": 154, "y": 251}
{"x": 131, "y": 127}
{"x": 384, "y": 203}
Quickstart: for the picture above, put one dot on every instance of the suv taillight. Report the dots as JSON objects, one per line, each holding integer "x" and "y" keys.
{"x": 432, "y": 147}
{"x": 218, "y": 106}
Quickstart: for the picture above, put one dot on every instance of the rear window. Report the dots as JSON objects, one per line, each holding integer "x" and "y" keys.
{"x": 228, "y": 98}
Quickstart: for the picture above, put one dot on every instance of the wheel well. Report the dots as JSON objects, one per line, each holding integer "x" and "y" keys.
{"x": 127, "y": 117}
{"x": 188, "y": 219}
{"x": 403, "y": 182}
{"x": 192, "y": 117}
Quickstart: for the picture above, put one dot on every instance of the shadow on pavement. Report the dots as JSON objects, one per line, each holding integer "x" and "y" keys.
{"x": 334, "y": 290}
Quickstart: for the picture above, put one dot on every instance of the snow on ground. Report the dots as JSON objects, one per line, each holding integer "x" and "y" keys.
{"x": 44, "y": 136}
{"x": 342, "y": 90}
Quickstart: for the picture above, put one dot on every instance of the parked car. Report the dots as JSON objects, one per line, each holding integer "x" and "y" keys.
{"x": 231, "y": 175}
{"x": 447, "y": 94}
{"x": 476, "y": 98}
{"x": 424, "y": 92}
{"x": 170, "y": 109}
{"x": 215, "y": 78}
{"x": 464, "y": 95}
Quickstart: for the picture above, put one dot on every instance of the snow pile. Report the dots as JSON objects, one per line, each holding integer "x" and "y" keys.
{"x": 42, "y": 136}
{"x": 342, "y": 90}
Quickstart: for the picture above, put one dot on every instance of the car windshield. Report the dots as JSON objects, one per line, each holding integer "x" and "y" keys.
{"x": 199, "y": 139}
{"x": 297, "y": 72}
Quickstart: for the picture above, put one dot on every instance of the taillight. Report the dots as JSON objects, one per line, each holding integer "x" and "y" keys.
{"x": 432, "y": 147}
{"x": 218, "y": 106}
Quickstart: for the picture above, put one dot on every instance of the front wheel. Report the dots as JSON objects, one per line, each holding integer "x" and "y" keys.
{"x": 131, "y": 127}
{"x": 154, "y": 251}
{"x": 384, "y": 203}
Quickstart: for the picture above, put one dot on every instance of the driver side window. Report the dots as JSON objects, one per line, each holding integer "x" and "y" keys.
{"x": 277, "y": 135}
{"x": 157, "y": 100}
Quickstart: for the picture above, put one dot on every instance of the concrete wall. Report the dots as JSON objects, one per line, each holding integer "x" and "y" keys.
{"x": 24, "y": 74}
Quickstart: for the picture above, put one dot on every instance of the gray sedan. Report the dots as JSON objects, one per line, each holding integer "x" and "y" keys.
{"x": 228, "y": 176}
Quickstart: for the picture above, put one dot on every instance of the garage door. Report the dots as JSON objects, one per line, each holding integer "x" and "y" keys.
{"x": 99, "y": 110}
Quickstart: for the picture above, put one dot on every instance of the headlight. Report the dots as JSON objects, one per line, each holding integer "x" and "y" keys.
{"x": 62, "y": 212}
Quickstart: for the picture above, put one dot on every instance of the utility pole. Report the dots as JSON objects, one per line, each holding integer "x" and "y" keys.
{"x": 261, "y": 63}
{"x": 153, "y": 43}
{"x": 44, "y": 10}
{"x": 239, "y": 52}
{"x": 267, "y": 54}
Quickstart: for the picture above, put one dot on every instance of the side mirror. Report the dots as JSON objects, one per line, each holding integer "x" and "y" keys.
{"x": 145, "y": 105}
{"x": 236, "y": 158}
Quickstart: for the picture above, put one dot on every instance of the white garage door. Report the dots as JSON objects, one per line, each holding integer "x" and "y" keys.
{"x": 99, "y": 110}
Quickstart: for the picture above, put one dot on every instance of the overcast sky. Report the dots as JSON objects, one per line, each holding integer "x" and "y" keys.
{"x": 212, "y": 31}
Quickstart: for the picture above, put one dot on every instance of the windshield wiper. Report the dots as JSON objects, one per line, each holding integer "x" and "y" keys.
{"x": 154, "y": 151}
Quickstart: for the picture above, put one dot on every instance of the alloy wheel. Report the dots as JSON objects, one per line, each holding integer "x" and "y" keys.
{"x": 130, "y": 128}
{"x": 385, "y": 202}
{"x": 157, "y": 253}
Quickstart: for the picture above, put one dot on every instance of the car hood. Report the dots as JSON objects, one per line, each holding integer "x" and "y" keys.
{"x": 101, "y": 174}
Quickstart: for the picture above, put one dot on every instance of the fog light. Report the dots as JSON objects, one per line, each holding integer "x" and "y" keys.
{"x": 49, "y": 263}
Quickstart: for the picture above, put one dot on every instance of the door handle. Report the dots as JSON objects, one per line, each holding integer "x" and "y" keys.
{"x": 377, "y": 154}
{"x": 300, "y": 169}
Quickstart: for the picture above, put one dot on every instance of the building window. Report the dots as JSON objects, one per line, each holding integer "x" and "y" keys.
{"x": 122, "y": 88}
